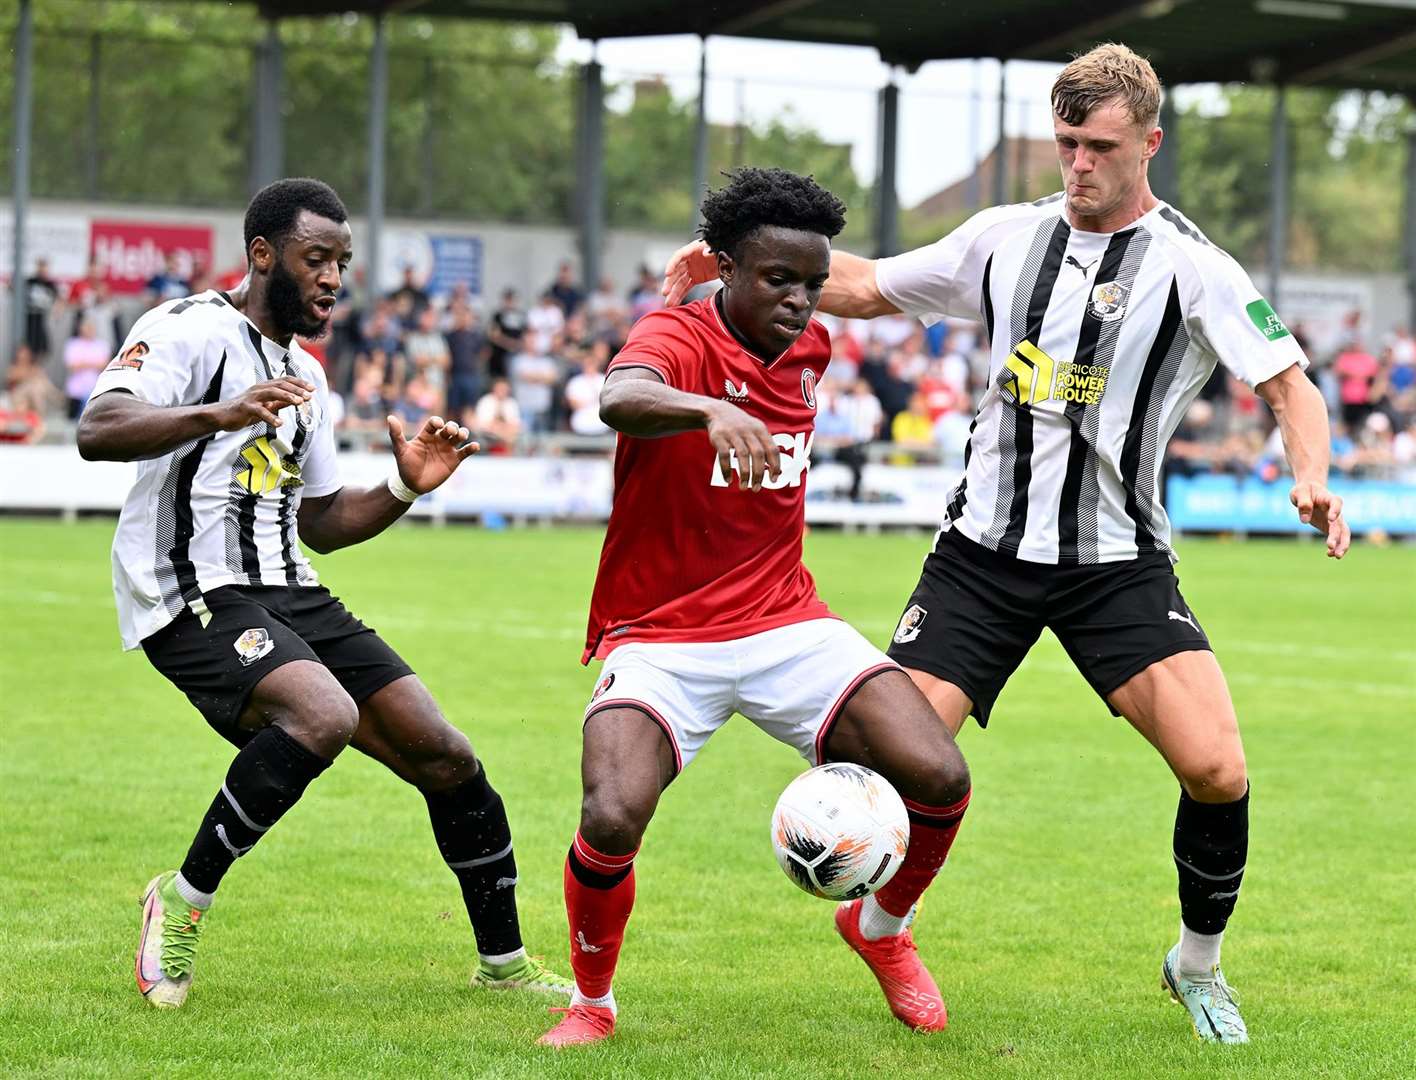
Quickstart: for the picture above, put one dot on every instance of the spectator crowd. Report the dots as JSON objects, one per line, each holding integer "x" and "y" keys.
{"x": 527, "y": 376}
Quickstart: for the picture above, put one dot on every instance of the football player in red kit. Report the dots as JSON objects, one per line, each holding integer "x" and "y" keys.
{"x": 702, "y": 607}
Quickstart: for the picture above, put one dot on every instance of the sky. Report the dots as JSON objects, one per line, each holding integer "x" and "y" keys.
{"x": 948, "y": 109}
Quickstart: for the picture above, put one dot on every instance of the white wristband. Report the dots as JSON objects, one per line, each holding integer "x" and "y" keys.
{"x": 401, "y": 491}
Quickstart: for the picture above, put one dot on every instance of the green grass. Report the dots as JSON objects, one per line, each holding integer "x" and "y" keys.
{"x": 339, "y": 948}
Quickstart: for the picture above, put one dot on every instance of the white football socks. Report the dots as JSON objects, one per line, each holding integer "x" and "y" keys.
{"x": 1199, "y": 954}
{"x": 606, "y": 1002}
{"x": 502, "y": 959}
{"x": 190, "y": 893}
{"x": 876, "y": 922}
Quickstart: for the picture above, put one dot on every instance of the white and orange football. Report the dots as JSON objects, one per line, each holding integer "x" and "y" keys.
{"x": 840, "y": 831}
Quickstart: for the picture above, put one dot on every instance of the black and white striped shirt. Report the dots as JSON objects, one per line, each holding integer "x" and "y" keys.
{"x": 219, "y": 510}
{"x": 1099, "y": 343}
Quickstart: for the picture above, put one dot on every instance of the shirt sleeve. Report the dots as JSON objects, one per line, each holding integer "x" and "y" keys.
{"x": 663, "y": 342}
{"x": 158, "y": 364}
{"x": 946, "y": 278}
{"x": 1236, "y": 324}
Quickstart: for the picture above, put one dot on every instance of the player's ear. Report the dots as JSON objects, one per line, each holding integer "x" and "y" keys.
{"x": 725, "y": 267}
{"x": 262, "y": 254}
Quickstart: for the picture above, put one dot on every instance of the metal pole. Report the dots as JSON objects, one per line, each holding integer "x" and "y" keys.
{"x": 887, "y": 204}
{"x": 1000, "y": 154}
{"x": 700, "y": 135}
{"x": 24, "y": 109}
{"x": 426, "y": 149}
{"x": 378, "y": 114}
{"x": 1278, "y": 197}
{"x": 974, "y": 187}
{"x": 1165, "y": 166}
{"x": 740, "y": 124}
{"x": 266, "y": 155}
{"x": 1409, "y": 228}
{"x": 592, "y": 172}
{"x": 95, "y": 117}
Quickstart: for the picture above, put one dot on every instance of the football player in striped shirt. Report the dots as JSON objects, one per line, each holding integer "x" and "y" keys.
{"x": 229, "y": 421}
{"x": 1107, "y": 311}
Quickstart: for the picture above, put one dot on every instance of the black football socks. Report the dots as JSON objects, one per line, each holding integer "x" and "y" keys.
{"x": 469, "y": 823}
{"x": 266, "y": 779}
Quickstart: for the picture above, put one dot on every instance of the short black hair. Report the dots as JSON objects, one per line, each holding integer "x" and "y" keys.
{"x": 756, "y": 197}
{"x": 275, "y": 207}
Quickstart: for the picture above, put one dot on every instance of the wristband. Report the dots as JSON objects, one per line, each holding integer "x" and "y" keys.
{"x": 401, "y": 491}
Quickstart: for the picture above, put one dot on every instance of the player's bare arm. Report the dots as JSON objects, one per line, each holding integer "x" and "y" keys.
{"x": 637, "y": 402}
{"x": 1302, "y": 418}
{"x": 850, "y": 292}
{"x": 120, "y": 427}
{"x": 351, "y": 516}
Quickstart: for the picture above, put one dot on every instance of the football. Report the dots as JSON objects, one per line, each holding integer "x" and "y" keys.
{"x": 840, "y": 831}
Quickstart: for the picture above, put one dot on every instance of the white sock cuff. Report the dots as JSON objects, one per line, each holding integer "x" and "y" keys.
{"x": 606, "y": 1002}
{"x": 190, "y": 893}
{"x": 1199, "y": 953}
{"x": 502, "y": 958}
{"x": 876, "y": 922}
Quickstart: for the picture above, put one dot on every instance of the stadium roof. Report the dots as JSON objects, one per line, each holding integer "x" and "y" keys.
{"x": 1362, "y": 44}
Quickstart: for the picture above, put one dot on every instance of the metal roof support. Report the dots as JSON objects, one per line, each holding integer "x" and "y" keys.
{"x": 93, "y": 122}
{"x": 1278, "y": 193}
{"x": 700, "y": 135}
{"x": 590, "y": 171}
{"x": 1165, "y": 166}
{"x": 24, "y": 114}
{"x": 1000, "y": 155}
{"x": 887, "y": 200}
{"x": 378, "y": 122}
{"x": 267, "y": 161}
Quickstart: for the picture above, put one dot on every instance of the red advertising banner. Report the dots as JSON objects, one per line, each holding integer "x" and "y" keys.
{"x": 132, "y": 252}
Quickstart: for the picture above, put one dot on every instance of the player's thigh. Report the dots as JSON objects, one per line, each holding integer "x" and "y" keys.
{"x": 971, "y": 619}
{"x": 822, "y": 688}
{"x": 950, "y": 702}
{"x": 401, "y": 726}
{"x": 219, "y": 663}
{"x": 1182, "y": 705}
{"x": 653, "y": 709}
{"x": 355, "y": 654}
{"x": 887, "y": 725}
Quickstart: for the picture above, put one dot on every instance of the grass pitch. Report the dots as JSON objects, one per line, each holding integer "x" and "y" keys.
{"x": 340, "y": 948}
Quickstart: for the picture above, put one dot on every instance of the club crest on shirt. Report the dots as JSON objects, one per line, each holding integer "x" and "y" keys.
{"x": 808, "y": 388}
{"x": 252, "y": 645}
{"x": 1108, "y": 301}
{"x": 910, "y": 623}
{"x": 603, "y": 686}
{"x": 130, "y": 358}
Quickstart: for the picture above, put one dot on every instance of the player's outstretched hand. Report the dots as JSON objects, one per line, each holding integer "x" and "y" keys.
{"x": 1320, "y": 508}
{"x": 261, "y": 403}
{"x": 690, "y": 265}
{"x": 433, "y": 454}
{"x": 744, "y": 441}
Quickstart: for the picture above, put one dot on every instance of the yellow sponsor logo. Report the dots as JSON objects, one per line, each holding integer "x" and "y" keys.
{"x": 266, "y": 470}
{"x": 1080, "y": 384}
{"x": 1029, "y": 378}
{"x": 1032, "y": 377}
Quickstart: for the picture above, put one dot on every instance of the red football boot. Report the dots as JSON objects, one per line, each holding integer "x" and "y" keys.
{"x": 580, "y": 1024}
{"x": 909, "y": 989}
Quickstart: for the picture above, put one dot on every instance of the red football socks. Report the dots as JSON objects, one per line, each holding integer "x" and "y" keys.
{"x": 599, "y": 895}
{"x": 932, "y": 832}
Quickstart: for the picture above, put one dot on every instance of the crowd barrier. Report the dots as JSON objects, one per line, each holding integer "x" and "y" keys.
{"x": 54, "y": 479}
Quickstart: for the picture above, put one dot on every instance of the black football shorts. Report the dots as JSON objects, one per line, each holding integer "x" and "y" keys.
{"x": 255, "y": 629}
{"x": 975, "y": 614}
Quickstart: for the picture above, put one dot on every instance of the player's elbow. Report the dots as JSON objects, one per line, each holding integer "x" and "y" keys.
{"x": 93, "y": 441}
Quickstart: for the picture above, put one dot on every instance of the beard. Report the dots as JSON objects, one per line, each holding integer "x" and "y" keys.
{"x": 287, "y": 308}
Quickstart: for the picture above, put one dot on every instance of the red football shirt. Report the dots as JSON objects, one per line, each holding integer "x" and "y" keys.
{"x": 688, "y": 556}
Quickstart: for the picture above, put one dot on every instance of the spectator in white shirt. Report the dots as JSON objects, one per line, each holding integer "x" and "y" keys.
{"x": 498, "y": 419}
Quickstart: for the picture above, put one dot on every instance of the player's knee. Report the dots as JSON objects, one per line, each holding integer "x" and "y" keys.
{"x": 1218, "y": 780}
{"x": 445, "y": 760}
{"x": 611, "y": 823}
{"x": 325, "y": 720}
{"x": 943, "y": 782}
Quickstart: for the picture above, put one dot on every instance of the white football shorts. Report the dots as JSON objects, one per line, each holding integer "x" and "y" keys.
{"x": 792, "y": 682}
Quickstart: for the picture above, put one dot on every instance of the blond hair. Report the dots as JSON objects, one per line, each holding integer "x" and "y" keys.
{"x": 1110, "y": 72}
